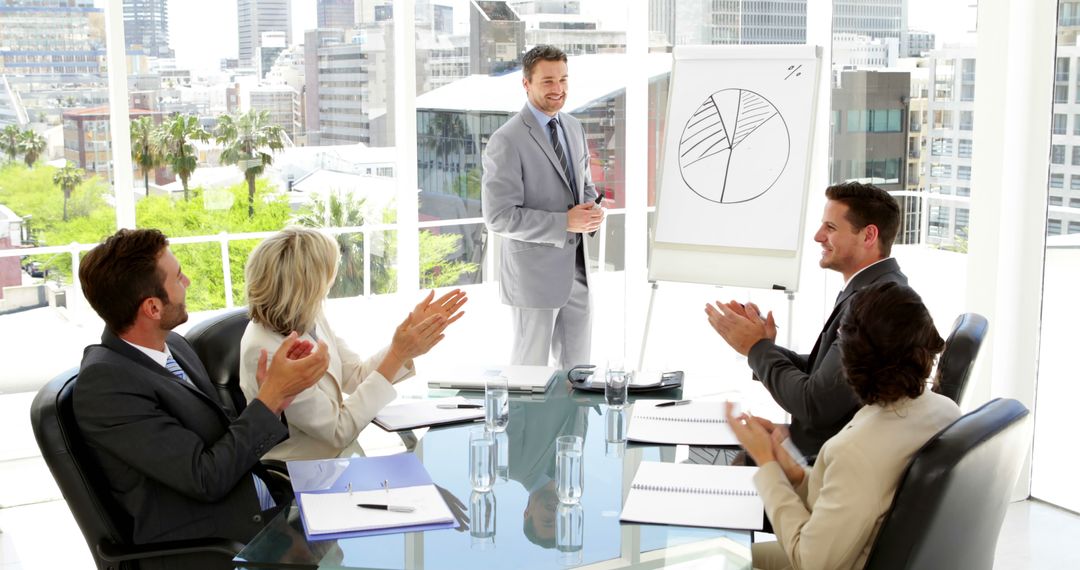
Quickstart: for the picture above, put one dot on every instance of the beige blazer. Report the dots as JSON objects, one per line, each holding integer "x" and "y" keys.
{"x": 831, "y": 520}
{"x": 328, "y": 416}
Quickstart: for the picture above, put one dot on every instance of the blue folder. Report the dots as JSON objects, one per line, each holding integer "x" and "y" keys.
{"x": 365, "y": 474}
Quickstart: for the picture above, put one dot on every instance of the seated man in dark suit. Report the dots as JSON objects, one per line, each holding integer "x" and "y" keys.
{"x": 856, "y": 236}
{"x": 176, "y": 461}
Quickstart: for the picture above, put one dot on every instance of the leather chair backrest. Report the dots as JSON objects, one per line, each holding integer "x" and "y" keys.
{"x": 950, "y": 504}
{"x": 217, "y": 342}
{"x": 75, "y": 469}
{"x": 958, "y": 358}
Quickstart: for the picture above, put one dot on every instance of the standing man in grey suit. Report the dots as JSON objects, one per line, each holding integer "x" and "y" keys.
{"x": 181, "y": 465}
{"x": 856, "y": 235}
{"x": 539, "y": 196}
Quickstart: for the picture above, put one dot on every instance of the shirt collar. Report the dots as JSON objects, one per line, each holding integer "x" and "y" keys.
{"x": 155, "y": 355}
{"x": 864, "y": 269}
{"x": 541, "y": 117}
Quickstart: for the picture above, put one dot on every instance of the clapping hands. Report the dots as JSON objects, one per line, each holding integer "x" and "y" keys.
{"x": 763, "y": 442}
{"x": 422, "y": 329}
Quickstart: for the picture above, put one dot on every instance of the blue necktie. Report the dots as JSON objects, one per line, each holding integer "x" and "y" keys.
{"x": 172, "y": 366}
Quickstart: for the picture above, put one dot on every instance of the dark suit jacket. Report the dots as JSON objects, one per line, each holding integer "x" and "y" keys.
{"x": 812, "y": 388}
{"x": 175, "y": 459}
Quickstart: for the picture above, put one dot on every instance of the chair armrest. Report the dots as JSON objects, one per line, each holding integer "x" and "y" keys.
{"x": 276, "y": 467}
{"x": 120, "y": 553}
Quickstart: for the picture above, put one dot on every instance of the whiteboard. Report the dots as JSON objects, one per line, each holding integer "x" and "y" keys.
{"x": 735, "y": 167}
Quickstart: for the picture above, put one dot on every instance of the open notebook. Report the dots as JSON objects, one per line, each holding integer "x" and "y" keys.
{"x": 683, "y": 494}
{"x": 337, "y": 512}
{"x": 696, "y": 423}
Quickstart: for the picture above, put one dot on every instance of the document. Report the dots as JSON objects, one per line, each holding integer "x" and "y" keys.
{"x": 684, "y": 494}
{"x": 691, "y": 423}
{"x": 412, "y": 414}
{"x": 338, "y": 512}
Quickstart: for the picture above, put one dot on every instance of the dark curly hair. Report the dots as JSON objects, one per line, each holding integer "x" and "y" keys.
{"x": 888, "y": 343}
{"x": 540, "y": 53}
{"x": 119, "y": 274}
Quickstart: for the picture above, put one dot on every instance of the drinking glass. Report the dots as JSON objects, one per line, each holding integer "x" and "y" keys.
{"x": 615, "y": 432}
{"x": 616, "y": 383}
{"x": 570, "y": 533}
{"x": 482, "y": 519}
{"x": 569, "y": 468}
{"x": 496, "y": 403}
{"x": 481, "y": 459}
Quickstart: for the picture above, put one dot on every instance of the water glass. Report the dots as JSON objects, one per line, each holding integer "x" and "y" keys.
{"x": 569, "y": 469}
{"x": 616, "y": 383}
{"x": 496, "y": 403}
{"x": 481, "y": 459}
{"x": 482, "y": 519}
{"x": 570, "y": 533}
{"x": 615, "y": 432}
{"x": 502, "y": 456}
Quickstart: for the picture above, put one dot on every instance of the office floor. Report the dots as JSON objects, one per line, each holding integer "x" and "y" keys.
{"x": 37, "y": 530}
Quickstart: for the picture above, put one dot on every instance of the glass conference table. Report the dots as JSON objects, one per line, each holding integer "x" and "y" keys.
{"x": 515, "y": 525}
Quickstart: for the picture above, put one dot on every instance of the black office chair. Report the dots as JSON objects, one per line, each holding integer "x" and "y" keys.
{"x": 105, "y": 525}
{"x": 958, "y": 358}
{"x": 950, "y": 504}
{"x": 217, "y": 342}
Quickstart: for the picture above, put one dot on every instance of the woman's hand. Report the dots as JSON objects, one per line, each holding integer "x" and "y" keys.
{"x": 751, "y": 434}
{"x": 794, "y": 471}
{"x": 448, "y": 306}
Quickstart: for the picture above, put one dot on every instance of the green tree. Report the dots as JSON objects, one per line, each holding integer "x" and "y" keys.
{"x": 67, "y": 178}
{"x": 144, "y": 151}
{"x": 446, "y": 136}
{"x": 32, "y": 146}
{"x": 436, "y": 270}
{"x": 9, "y": 141}
{"x": 249, "y": 141}
{"x": 174, "y": 141}
{"x": 342, "y": 210}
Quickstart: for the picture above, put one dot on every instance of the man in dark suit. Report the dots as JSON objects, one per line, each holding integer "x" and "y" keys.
{"x": 178, "y": 462}
{"x": 856, "y": 235}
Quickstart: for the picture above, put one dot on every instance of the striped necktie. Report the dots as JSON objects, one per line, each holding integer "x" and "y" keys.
{"x": 172, "y": 366}
{"x": 553, "y": 128}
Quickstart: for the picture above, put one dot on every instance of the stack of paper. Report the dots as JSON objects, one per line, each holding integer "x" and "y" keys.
{"x": 694, "y": 423}
{"x": 338, "y": 512}
{"x": 412, "y": 414}
{"x": 684, "y": 494}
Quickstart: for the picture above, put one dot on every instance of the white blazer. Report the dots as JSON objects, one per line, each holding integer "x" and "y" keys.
{"x": 328, "y": 416}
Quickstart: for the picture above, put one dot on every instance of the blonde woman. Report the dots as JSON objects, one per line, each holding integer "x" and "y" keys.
{"x": 288, "y": 277}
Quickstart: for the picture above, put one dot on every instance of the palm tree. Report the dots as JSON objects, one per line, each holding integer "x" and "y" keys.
{"x": 32, "y": 145}
{"x": 249, "y": 141}
{"x": 174, "y": 141}
{"x": 446, "y": 135}
{"x": 144, "y": 151}
{"x": 9, "y": 141}
{"x": 342, "y": 210}
{"x": 67, "y": 178}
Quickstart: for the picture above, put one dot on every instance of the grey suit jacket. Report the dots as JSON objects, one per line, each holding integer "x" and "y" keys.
{"x": 177, "y": 462}
{"x": 525, "y": 198}
{"x": 812, "y": 388}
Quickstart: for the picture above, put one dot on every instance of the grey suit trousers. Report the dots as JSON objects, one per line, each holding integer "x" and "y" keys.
{"x": 565, "y": 333}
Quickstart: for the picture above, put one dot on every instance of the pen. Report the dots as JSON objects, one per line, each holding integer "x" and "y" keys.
{"x": 673, "y": 403}
{"x": 459, "y": 406}
{"x": 393, "y": 508}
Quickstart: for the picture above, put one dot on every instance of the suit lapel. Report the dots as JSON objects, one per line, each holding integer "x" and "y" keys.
{"x": 541, "y": 136}
{"x": 866, "y": 277}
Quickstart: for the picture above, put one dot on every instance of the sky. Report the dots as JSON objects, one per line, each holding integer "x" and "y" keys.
{"x": 204, "y": 31}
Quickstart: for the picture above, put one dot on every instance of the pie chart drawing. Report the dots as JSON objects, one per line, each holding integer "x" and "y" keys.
{"x": 734, "y": 147}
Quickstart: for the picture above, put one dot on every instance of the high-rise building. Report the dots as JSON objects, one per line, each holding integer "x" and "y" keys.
{"x": 256, "y": 17}
{"x": 336, "y": 14}
{"x": 878, "y": 19}
{"x": 497, "y": 38}
{"x": 146, "y": 27}
{"x": 1064, "y": 199}
{"x": 442, "y": 19}
{"x": 917, "y": 43}
{"x": 87, "y": 140}
{"x": 271, "y": 45}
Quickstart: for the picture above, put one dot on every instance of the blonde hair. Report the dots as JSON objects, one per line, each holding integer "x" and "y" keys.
{"x": 288, "y": 275}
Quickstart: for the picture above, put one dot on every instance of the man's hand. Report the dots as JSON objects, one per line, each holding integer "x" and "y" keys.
{"x": 584, "y": 218}
{"x": 751, "y": 435}
{"x": 740, "y": 325}
{"x": 287, "y": 376}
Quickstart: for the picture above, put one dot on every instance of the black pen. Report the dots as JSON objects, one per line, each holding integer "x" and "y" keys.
{"x": 394, "y": 508}
{"x": 673, "y": 403}
{"x": 459, "y": 406}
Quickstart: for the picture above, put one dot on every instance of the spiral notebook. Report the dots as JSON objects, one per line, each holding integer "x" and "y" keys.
{"x": 685, "y": 494}
{"x": 695, "y": 423}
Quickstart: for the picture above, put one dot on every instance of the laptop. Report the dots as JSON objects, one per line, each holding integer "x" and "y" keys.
{"x": 521, "y": 378}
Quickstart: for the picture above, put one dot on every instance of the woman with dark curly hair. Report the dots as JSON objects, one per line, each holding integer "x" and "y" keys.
{"x": 828, "y": 516}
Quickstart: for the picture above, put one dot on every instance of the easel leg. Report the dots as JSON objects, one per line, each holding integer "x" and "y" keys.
{"x": 648, "y": 322}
